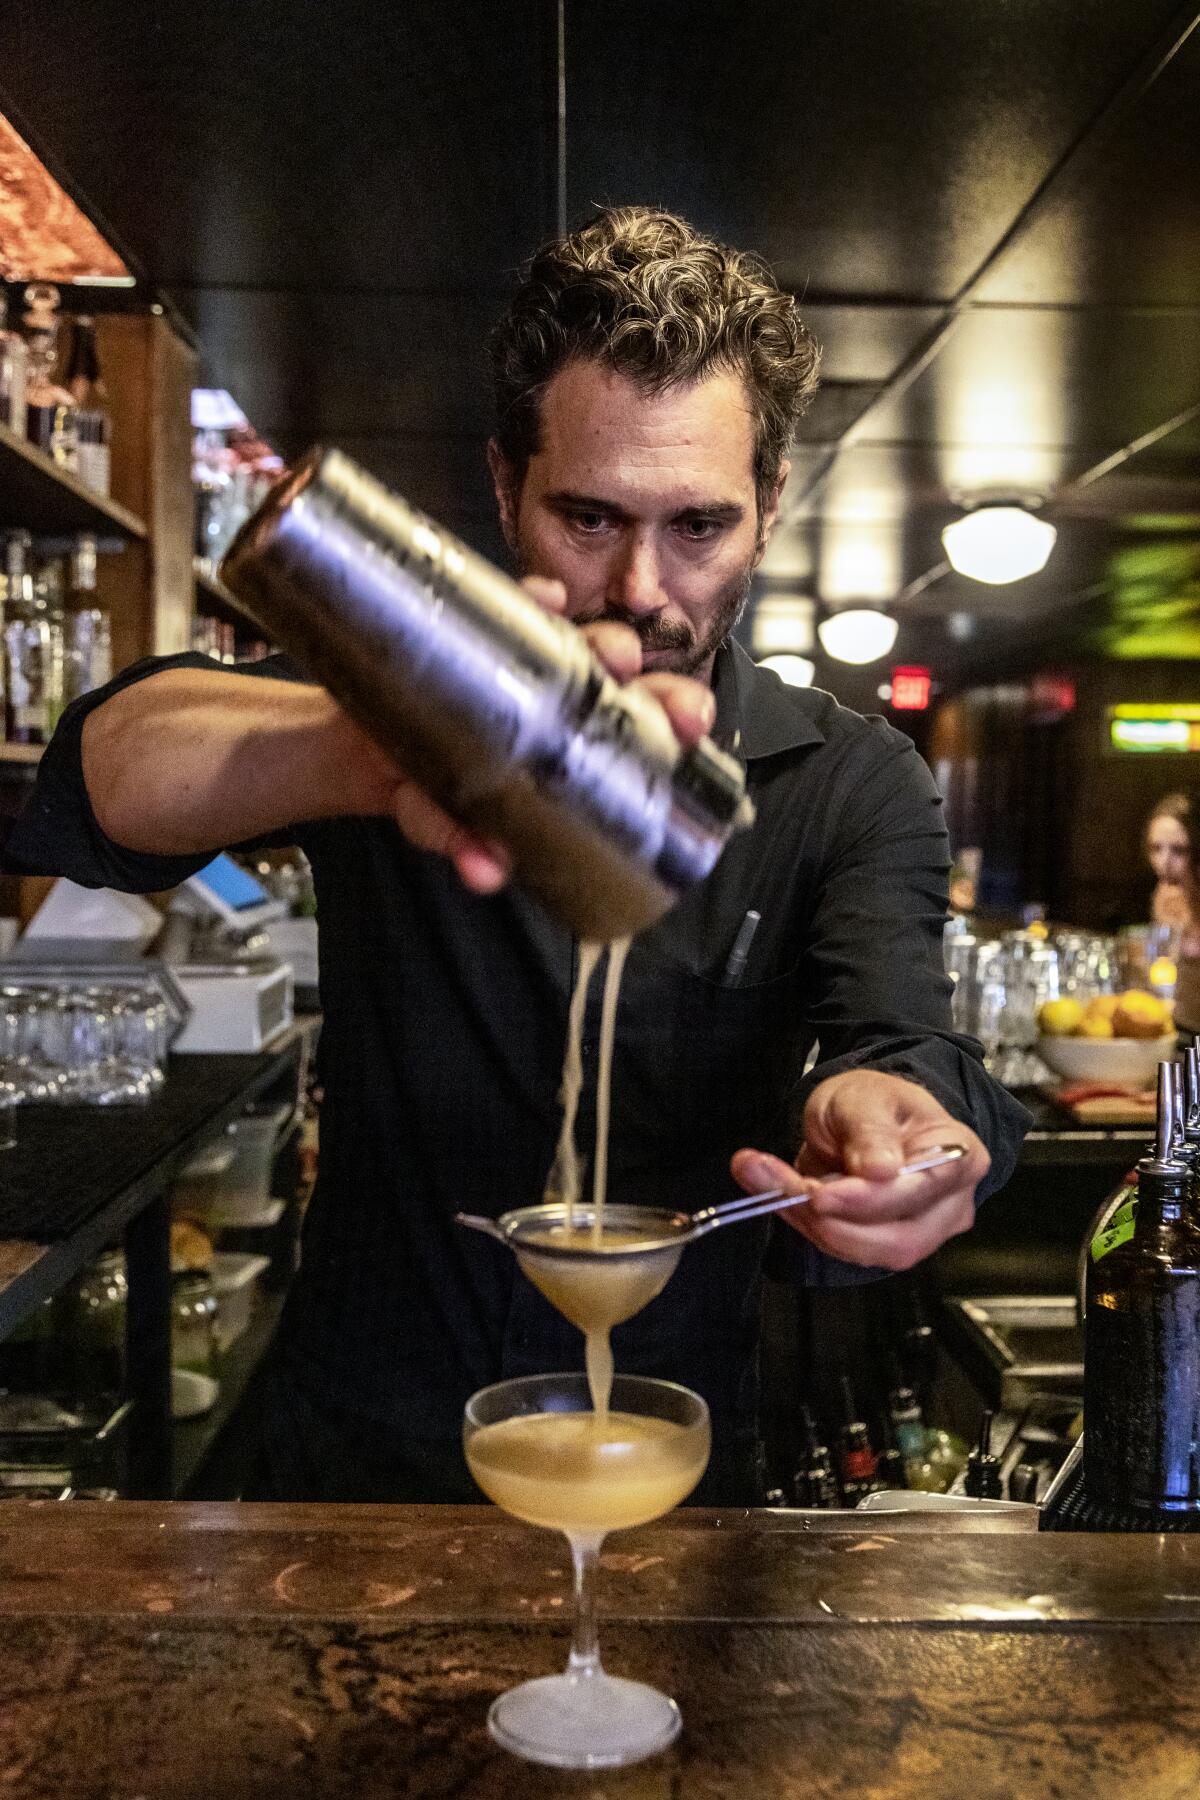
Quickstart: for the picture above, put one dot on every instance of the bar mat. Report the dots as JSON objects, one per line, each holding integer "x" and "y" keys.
{"x": 70, "y": 1162}
{"x": 1090, "y": 1103}
{"x": 1073, "y": 1511}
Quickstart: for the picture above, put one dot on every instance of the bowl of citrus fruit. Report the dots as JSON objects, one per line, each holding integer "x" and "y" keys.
{"x": 1113, "y": 1037}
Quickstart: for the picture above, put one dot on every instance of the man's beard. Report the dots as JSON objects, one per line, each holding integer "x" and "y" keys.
{"x": 674, "y": 639}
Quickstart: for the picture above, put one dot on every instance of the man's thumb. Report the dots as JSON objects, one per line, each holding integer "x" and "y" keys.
{"x": 871, "y": 1144}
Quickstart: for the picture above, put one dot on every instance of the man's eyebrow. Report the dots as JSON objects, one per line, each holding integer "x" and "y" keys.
{"x": 726, "y": 511}
{"x": 585, "y": 502}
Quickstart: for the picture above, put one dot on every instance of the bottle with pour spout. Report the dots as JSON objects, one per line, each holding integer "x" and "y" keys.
{"x": 499, "y": 708}
{"x": 1141, "y": 1408}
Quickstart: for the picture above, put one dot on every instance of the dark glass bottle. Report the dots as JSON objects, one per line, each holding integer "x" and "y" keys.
{"x": 858, "y": 1466}
{"x": 814, "y": 1483}
{"x": 1141, "y": 1406}
{"x": 86, "y": 385}
{"x": 892, "y": 1472}
{"x": 982, "y": 1478}
{"x": 51, "y": 416}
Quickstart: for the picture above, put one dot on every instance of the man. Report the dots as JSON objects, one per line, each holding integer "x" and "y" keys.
{"x": 648, "y": 384}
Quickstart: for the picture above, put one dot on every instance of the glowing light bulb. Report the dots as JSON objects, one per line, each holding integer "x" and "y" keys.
{"x": 858, "y": 635}
{"x": 998, "y": 543}
{"x": 797, "y": 671}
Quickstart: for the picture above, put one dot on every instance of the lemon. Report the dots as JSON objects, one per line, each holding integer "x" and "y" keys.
{"x": 1103, "y": 1006}
{"x": 1094, "y": 1025}
{"x": 1059, "y": 1018}
{"x": 1140, "y": 1015}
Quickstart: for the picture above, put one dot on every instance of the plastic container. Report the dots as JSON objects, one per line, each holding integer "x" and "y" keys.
{"x": 235, "y": 1279}
{"x": 240, "y": 1193}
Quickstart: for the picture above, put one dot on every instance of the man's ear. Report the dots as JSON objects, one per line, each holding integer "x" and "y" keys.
{"x": 507, "y": 489}
{"x": 771, "y": 512}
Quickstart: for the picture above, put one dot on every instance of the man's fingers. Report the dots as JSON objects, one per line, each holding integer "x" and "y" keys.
{"x": 618, "y": 647}
{"x": 547, "y": 592}
{"x": 897, "y": 1246}
{"x": 690, "y": 706}
{"x": 870, "y": 1133}
{"x": 483, "y": 867}
{"x": 871, "y": 1203}
{"x": 757, "y": 1170}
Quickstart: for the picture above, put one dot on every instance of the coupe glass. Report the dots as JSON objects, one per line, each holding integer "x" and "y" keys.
{"x": 536, "y": 1448}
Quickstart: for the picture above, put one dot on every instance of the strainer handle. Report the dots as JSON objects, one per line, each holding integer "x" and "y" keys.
{"x": 478, "y": 1223}
{"x": 753, "y": 1206}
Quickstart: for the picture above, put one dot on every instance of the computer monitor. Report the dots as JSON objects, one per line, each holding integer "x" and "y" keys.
{"x": 237, "y": 898}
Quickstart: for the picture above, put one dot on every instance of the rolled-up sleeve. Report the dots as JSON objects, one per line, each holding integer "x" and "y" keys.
{"x": 57, "y": 832}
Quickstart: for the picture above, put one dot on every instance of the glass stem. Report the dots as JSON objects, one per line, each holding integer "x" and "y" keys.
{"x": 585, "y": 1651}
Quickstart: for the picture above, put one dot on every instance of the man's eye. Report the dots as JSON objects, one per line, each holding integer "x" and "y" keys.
{"x": 588, "y": 522}
{"x": 699, "y": 531}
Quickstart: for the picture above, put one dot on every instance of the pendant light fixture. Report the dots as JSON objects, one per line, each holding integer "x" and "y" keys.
{"x": 796, "y": 671}
{"x": 858, "y": 634}
{"x": 997, "y": 542}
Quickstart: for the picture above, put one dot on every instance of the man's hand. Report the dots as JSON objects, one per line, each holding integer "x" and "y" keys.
{"x": 484, "y": 866}
{"x": 870, "y": 1124}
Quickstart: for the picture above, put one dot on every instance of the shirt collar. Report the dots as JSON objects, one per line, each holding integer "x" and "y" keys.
{"x": 757, "y": 714}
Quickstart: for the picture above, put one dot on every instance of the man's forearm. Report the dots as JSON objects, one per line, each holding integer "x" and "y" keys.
{"x": 191, "y": 760}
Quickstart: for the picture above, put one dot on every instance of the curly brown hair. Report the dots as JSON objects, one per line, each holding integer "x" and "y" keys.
{"x": 643, "y": 291}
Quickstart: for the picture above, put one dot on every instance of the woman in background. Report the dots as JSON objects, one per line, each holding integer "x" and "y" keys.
{"x": 1173, "y": 850}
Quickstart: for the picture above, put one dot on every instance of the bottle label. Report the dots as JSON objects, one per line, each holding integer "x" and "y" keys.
{"x": 910, "y": 1437}
{"x": 1119, "y": 1230}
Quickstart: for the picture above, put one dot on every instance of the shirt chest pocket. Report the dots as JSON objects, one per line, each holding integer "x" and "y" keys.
{"x": 711, "y": 1063}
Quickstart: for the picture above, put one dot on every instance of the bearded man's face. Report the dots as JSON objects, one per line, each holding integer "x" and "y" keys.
{"x": 644, "y": 506}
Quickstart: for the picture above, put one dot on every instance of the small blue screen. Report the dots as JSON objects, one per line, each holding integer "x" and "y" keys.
{"x": 230, "y": 882}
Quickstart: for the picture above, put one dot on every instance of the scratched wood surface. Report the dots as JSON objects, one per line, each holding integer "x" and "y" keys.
{"x": 219, "y": 1653}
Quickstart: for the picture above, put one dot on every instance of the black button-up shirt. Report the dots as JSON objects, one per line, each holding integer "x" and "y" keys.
{"x": 441, "y": 1054}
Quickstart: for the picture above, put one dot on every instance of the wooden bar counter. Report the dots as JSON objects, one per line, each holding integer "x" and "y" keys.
{"x": 191, "y": 1652}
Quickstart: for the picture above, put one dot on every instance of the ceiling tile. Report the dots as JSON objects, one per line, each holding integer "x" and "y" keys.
{"x": 819, "y": 134}
{"x": 1124, "y": 229}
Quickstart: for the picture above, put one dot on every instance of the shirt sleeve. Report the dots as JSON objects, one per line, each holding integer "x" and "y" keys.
{"x": 57, "y": 833}
{"x": 875, "y": 963}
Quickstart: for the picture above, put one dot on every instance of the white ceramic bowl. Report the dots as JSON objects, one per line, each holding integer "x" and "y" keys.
{"x": 1131, "y": 1061}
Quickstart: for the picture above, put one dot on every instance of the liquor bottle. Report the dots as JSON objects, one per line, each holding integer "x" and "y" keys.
{"x": 1141, "y": 1385}
{"x": 51, "y": 420}
{"x": 814, "y": 1483}
{"x": 13, "y": 373}
{"x": 50, "y": 609}
{"x": 88, "y": 654}
{"x": 86, "y": 384}
{"x": 912, "y": 1437}
{"x": 893, "y": 1468}
{"x": 858, "y": 1466}
{"x": 27, "y": 648}
{"x": 982, "y": 1478}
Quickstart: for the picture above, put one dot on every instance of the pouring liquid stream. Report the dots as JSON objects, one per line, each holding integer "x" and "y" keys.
{"x": 598, "y": 1301}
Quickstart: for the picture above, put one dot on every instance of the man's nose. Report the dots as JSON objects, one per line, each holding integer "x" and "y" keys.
{"x": 634, "y": 585}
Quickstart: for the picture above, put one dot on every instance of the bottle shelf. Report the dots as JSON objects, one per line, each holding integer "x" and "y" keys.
{"x": 37, "y": 496}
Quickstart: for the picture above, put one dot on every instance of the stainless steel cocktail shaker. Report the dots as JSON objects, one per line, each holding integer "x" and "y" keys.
{"x": 499, "y": 708}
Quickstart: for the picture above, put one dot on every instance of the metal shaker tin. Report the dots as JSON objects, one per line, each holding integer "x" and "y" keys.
{"x": 497, "y": 707}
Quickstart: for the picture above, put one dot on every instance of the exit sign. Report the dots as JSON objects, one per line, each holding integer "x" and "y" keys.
{"x": 910, "y": 689}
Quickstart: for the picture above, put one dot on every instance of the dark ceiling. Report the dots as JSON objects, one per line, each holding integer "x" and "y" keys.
{"x": 992, "y": 212}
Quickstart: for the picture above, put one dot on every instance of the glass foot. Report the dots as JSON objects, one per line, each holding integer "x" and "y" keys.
{"x": 584, "y": 1721}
